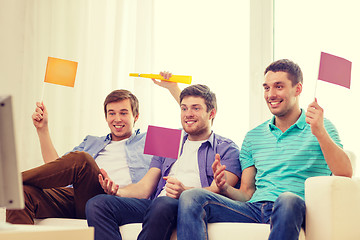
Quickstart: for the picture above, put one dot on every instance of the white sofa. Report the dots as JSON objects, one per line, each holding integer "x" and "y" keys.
{"x": 333, "y": 210}
{"x": 332, "y": 213}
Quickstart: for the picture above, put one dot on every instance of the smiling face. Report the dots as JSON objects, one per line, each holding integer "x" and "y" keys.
{"x": 195, "y": 119}
{"x": 120, "y": 119}
{"x": 280, "y": 96}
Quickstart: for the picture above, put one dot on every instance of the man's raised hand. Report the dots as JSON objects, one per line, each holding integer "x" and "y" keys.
{"x": 219, "y": 174}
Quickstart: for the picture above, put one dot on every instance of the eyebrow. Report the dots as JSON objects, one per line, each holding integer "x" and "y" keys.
{"x": 121, "y": 110}
{"x": 275, "y": 83}
{"x": 192, "y": 105}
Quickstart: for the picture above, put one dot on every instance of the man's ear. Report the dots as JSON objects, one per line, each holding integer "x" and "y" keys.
{"x": 136, "y": 118}
{"x": 298, "y": 88}
{"x": 212, "y": 113}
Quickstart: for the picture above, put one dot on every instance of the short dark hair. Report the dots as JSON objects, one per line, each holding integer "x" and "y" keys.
{"x": 119, "y": 95}
{"x": 203, "y": 91}
{"x": 285, "y": 65}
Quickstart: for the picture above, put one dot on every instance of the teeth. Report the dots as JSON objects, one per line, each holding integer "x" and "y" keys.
{"x": 274, "y": 103}
{"x": 118, "y": 127}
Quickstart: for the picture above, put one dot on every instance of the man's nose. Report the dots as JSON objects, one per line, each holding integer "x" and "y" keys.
{"x": 118, "y": 118}
{"x": 189, "y": 112}
{"x": 271, "y": 93}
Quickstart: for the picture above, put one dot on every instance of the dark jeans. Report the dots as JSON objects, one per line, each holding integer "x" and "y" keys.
{"x": 106, "y": 213}
{"x": 45, "y": 194}
{"x": 160, "y": 219}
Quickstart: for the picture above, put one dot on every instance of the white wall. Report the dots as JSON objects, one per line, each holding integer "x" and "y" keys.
{"x": 209, "y": 40}
{"x": 305, "y": 28}
{"x": 90, "y": 32}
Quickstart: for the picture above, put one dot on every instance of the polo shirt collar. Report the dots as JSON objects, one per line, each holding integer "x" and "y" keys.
{"x": 300, "y": 123}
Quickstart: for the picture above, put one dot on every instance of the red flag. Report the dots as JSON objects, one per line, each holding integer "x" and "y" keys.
{"x": 335, "y": 70}
{"x": 163, "y": 142}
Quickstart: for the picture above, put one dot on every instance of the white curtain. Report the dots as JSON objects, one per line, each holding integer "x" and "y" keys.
{"x": 109, "y": 39}
{"x": 103, "y": 37}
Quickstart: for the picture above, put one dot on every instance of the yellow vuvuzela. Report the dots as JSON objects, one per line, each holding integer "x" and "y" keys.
{"x": 173, "y": 78}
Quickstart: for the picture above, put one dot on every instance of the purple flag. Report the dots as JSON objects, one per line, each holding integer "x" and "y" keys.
{"x": 335, "y": 70}
{"x": 163, "y": 142}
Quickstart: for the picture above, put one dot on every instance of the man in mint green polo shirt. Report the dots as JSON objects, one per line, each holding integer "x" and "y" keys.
{"x": 276, "y": 157}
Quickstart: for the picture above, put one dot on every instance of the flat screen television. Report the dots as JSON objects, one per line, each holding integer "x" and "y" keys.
{"x": 11, "y": 188}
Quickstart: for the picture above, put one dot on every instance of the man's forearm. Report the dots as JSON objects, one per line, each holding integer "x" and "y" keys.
{"x": 175, "y": 92}
{"x": 336, "y": 158}
{"x": 133, "y": 191}
{"x": 48, "y": 150}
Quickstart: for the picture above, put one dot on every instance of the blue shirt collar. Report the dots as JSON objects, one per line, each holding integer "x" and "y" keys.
{"x": 210, "y": 139}
{"x": 136, "y": 132}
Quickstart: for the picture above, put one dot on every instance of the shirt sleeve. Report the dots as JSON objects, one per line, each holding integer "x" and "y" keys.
{"x": 333, "y": 133}
{"x": 157, "y": 162}
{"x": 246, "y": 158}
{"x": 230, "y": 158}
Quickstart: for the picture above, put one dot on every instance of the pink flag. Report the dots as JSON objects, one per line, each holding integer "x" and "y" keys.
{"x": 335, "y": 70}
{"x": 163, "y": 142}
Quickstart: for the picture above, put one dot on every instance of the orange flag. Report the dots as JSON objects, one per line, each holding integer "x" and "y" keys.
{"x": 60, "y": 71}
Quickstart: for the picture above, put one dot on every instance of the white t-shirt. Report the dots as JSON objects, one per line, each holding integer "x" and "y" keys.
{"x": 113, "y": 159}
{"x": 186, "y": 168}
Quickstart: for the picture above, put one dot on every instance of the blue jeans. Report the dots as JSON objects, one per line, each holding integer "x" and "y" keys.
{"x": 106, "y": 213}
{"x": 160, "y": 219}
{"x": 197, "y": 207}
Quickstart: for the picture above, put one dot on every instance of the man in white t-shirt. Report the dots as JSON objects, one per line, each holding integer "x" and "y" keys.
{"x": 46, "y": 189}
{"x": 167, "y": 178}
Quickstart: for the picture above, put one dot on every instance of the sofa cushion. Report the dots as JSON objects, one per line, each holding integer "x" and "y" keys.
{"x": 217, "y": 231}
{"x": 128, "y": 231}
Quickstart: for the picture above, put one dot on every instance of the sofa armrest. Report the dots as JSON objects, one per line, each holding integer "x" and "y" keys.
{"x": 332, "y": 208}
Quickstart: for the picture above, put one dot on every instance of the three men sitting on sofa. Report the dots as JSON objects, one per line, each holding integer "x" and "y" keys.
{"x": 276, "y": 158}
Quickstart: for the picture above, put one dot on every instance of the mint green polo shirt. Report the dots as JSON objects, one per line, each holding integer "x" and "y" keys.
{"x": 284, "y": 160}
